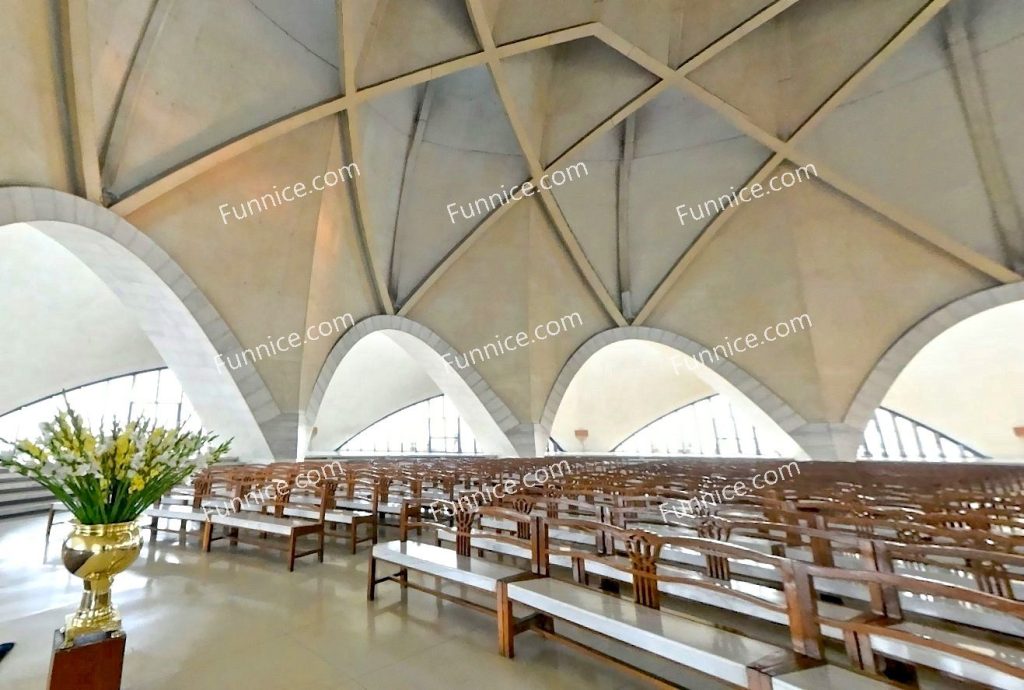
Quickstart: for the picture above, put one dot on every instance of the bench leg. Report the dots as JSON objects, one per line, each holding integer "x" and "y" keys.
{"x": 320, "y": 551}
{"x": 403, "y": 577}
{"x": 506, "y": 624}
{"x": 353, "y": 533}
{"x": 207, "y": 535}
{"x": 49, "y": 524}
{"x": 371, "y": 579}
{"x": 858, "y": 648}
{"x": 291, "y": 552}
{"x": 233, "y": 533}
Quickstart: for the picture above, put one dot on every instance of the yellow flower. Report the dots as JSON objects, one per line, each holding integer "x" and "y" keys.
{"x": 137, "y": 483}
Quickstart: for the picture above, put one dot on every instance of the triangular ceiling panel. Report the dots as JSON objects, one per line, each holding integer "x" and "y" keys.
{"x": 686, "y": 154}
{"x": 811, "y": 250}
{"x": 876, "y": 138}
{"x": 120, "y": 25}
{"x": 467, "y": 153}
{"x": 564, "y": 91}
{"x": 386, "y": 128}
{"x": 406, "y": 36}
{"x": 589, "y": 202}
{"x": 518, "y": 19}
{"x": 521, "y": 259}
{"x": 270, "y": 73}
{"x": 339, "y": 280}
{"x": 782, "y": 72}
{"x": 696, "y": 24}
{"x": 995, "y": 29}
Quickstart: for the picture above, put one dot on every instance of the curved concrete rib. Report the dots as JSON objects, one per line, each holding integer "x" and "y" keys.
{"x": 184, "y": 327}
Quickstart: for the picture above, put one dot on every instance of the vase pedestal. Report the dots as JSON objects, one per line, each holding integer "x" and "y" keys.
{"x": 92, "y": 662}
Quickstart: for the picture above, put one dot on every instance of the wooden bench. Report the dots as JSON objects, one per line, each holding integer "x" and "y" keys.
{"x": 306, "y": 505}
{"x": 725, "y": 655}
{"x": 986, "y": 567}
{"x": 291, "y": 528}
{"x": 184, "y": 514}
{"x": 884, "y": 633}
{"x": 456, "y": 566}
{"x": 56, "y": 508}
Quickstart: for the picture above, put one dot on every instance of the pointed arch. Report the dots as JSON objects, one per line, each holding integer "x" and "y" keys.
{"x": 493, "y": 423}
{"x": 185, "y": 329}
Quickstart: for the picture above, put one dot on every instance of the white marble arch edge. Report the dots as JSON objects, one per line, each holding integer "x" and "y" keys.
{"x": 251, "y": 404}
{"x": 894, "y": 360}
{"x": 758, "y": 394}
{"x": 505, "y": 428}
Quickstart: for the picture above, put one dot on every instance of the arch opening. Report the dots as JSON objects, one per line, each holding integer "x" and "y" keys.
{"x": 386, "y": 363}
{"x": 621, "y": 381}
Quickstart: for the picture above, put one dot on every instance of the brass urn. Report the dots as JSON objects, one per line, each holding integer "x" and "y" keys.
{"x": 96, "y": 553}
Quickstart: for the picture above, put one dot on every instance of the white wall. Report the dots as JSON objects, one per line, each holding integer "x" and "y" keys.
{"x": 969, "y": 382}
{"x": 60, "y": 326}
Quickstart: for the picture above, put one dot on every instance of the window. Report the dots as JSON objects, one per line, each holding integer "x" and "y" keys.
{"x": 429, "y": 426}
{"x": 710, "y": 426}
{"x": 155, "y": 394}
{"x": 892, "y": 436}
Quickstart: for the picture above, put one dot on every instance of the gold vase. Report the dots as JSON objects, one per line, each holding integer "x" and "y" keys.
{"x": 96, "y": 553}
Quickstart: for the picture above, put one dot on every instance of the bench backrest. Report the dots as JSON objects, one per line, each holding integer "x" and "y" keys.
{"x": 882, "y": 624}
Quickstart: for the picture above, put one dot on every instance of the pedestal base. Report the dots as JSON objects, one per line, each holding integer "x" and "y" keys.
{"x": 93, "y": 662}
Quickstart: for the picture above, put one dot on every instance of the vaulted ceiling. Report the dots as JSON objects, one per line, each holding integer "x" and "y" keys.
{"x": 167, "y": 110}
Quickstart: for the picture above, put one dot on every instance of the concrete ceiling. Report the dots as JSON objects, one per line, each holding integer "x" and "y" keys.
{"x": 165, "y": 110}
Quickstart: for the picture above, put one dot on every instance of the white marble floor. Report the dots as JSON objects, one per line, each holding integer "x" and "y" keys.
{"x": 238, "y": 619}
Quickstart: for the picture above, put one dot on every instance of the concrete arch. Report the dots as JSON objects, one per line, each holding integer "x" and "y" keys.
{"x": 493, "y": 423}
{"x": 765, "y": 404}
{"x": 892, "y": 363}
{"x": 185, "y": 329}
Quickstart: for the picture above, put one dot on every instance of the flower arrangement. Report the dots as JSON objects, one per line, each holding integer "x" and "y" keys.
{"x": 110, "y": 477}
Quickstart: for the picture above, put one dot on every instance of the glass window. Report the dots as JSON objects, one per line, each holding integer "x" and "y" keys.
{"x": 890, "y": 435}
{"x": 157, "y": 394}
{"x": 430, "y": 426}
{"x": 710, "y": 427}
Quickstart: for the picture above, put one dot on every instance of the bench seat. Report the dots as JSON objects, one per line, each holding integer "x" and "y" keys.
{"x": 963, "y": 668}
{"x": 718, "y": 653}
{"x": 289, "y": 527}
{"x": 364, "y": 504}
{"x": 446, "y": 564}
{"x": 341, "y": 517}
{"x": 177, "y": 512}
{"x": 260, "y": 522}
{"x": 824, "y": 677}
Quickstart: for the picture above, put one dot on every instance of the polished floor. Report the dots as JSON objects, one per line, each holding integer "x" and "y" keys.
{"x": 236, "y": 618}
